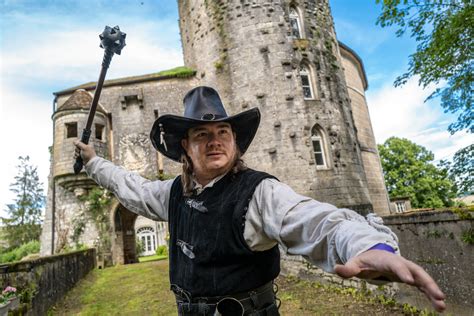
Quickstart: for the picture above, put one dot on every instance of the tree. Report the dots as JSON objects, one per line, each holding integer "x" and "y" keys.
{"x": 461, "y": 170}
{"x": 409, "y": 173}
{"x": 23, "y": 223}
{"x": 444, "y": 31}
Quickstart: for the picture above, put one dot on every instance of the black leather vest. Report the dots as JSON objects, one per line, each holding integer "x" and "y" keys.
{"x": 208, "y": 253}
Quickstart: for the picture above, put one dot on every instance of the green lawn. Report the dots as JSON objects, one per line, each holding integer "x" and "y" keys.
{"x": 152, "y": 258}
{"x": 143, "y": 289}
{"x": 133, "y": 289}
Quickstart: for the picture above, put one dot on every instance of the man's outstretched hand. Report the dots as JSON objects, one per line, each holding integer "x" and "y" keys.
{"x": 379, "y": 263}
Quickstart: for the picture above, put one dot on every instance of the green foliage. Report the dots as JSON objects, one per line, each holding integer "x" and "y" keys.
{"x": 97, "y": 203}
{"x": 162, "y": 250}
{"x": 23, "y": 223}
{"x": 468, "y": 236}
{"x": 180, "y": 72}
{"x": 20, "y": 252}
{"x": 408, "y": 172}
{"x": 465, "y": 212}
{"x": 461, "y": 170}
{"x": 444, "y": 31}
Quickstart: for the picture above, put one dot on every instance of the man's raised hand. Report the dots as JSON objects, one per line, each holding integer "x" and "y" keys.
{"x": 87, "y": 152}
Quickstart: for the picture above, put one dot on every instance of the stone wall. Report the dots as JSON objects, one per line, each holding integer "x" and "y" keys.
{"x": 434, "y": 240}
{"x": 42, "y": 282}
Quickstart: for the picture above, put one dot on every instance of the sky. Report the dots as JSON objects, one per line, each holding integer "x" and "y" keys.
{"x": 50, "y": 45}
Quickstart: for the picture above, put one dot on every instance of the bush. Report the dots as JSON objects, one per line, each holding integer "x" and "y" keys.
{"x": 17, "y": 253}
{"x": 162, "y": 250}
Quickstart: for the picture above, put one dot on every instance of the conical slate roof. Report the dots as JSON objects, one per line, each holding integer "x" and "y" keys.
{"x": 80, "y": 99}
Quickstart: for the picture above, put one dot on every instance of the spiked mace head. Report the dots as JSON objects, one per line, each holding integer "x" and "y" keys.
{"x": 112, "y": 39}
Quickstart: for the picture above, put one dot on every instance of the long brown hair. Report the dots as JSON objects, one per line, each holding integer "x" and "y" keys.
{"x": 188, "y": 170}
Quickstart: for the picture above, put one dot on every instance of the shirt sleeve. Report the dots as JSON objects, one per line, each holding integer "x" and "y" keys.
{"x": 322, "y": 233}
{"x": 139, "y": 195}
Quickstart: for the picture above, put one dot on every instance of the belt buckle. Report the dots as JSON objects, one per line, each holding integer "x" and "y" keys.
{"x": 229, "y": 306}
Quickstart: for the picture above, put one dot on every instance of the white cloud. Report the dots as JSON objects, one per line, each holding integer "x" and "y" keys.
{"x": 26, "y": 128}
{"x": 40, "y": 53}
{"x": 402, "y": 112}
{"x": 74, "y": 55}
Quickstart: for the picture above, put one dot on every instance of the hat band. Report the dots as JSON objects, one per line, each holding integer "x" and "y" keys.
{"x": 211, "y": 117}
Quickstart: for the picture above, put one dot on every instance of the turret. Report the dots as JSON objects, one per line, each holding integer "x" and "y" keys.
{"x": 69, "y": 121}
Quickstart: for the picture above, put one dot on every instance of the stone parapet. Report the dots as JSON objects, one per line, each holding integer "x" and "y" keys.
{"x": 439, "y": 242}
{"x": 42, "y": 282}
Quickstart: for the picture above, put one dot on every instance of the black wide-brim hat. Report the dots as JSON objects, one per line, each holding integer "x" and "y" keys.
{"x": 202, "y": 105}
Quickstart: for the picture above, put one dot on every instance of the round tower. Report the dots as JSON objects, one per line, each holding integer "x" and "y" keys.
{"x": 283, "y": 57}
{"x": 69, "y": 121}
{"x": 357, "y": 85}
{"x": 65, "y": 188}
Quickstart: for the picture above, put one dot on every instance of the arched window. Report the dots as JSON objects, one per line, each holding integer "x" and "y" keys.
{"x": 295, "y": 23}
{"x": 306, "y": 82}
{"x": 148, "y": 237}
{"x": 319, "y": 147}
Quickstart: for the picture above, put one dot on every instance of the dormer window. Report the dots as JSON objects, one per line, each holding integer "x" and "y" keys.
{"x": 71, "y": 130}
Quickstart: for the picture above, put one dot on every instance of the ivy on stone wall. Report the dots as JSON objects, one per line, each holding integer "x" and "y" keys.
{"x": 96, "y": 208}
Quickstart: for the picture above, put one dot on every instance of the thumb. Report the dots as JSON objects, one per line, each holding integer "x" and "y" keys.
{"x": 79, "y": 144}
{"x": 347, "y": 270}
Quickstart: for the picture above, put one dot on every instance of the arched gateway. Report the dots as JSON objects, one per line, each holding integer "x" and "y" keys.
{"x": 123, "y": 236}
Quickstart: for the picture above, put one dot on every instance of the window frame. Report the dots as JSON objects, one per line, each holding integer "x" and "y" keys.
{"x": 318, "y": 134}
{"x": 400, "y": 206}
{"x": 294, "y": 15}
{"x": 67, "y": 126}
{"x": 318, "y": 138}
{"x": 102, "y": 132}
{"x": 305, "y": 70}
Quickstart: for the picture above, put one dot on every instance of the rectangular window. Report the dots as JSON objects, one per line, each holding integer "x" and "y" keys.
{"x": 71, "y": 130}
{"x": 99, "y": 131}
{"x": 318, "y": 152}
{"x": 307, "y": 93}
{"x": 148, "y": 242}
{"x": 400, "y": 207}
{"x": 295, "y": 28}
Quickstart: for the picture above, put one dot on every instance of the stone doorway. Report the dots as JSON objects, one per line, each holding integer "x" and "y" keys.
{"x": 123, "y": 237}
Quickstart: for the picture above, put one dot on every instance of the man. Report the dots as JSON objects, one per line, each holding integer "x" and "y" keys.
{"x": 226, "y": 220}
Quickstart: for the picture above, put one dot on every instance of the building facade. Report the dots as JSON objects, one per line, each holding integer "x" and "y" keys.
{"x": 280, "y": 56}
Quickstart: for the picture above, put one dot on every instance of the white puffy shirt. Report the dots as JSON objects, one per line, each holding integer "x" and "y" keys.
{"x": 322, "y": 233}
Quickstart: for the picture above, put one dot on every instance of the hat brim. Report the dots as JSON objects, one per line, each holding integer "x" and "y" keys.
{"x": 174, "y": 127}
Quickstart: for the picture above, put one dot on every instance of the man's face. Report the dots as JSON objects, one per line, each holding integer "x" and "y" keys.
{"x": 212, "y": 150}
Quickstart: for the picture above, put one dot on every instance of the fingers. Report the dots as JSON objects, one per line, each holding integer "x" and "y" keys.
{"x": 79, "y": 146}
{"x": 86, "y": 151}
{"x": 376, "y": 263}
{"x": 425, "y": 283}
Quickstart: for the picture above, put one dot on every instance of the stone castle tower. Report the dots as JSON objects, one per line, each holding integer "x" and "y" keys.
{"x": 281, "y": 56}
